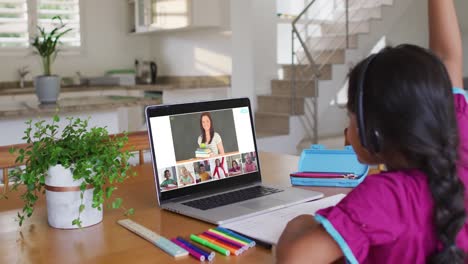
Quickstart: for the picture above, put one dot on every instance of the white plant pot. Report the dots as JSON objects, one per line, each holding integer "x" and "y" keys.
{"x": 47, "y": 88}
{"x": 63, "y": 200}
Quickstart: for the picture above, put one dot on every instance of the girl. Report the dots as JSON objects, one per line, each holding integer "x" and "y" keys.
{"x": 235, "y": 168}
{"x": 403, "y": 114}
{"x": 185, "y": 177}
{"x": 219, "y": 172}
{"x": 249, "y": 166}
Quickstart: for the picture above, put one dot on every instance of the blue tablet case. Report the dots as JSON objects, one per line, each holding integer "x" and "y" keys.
{"x": 319, "y": 159}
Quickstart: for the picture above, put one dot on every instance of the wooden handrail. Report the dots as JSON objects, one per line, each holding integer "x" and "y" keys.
{"x": 137, "y": 142}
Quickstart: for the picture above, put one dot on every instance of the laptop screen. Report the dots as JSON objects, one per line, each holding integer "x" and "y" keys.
{"x": 203, "y": 148}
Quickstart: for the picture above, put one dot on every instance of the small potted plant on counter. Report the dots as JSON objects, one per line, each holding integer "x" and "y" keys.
{"x": 46, "y": 45}
{"x": 77, "y": 169}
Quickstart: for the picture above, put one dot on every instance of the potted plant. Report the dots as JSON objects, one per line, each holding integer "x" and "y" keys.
{"x": 77, "y": 169}
{"x": 46, "y": 45}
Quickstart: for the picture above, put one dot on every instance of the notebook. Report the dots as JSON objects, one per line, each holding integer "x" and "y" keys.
{"x": 206, "y": 163}
{"x": 269, "y": 226}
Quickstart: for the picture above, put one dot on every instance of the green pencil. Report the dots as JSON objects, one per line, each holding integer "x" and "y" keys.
{"x": 205, "y": 243}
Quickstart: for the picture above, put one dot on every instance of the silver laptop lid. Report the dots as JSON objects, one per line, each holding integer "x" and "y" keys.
{"x": 202, "y": 147}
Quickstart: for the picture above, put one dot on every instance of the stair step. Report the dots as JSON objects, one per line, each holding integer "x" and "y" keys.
{"x": 280, "y": 104}
{"x": 363, "y": 3}
{"x": 325, "y": 56}
{"x": 357, "y": 15}
{"x": 329, "y": 56}
{"x": 284, "y": 88}
{"x": 306, "y": 72}
{"x": 339, "y": 28}
{"x": 271, "y": 123}
{"x": 332, "y": 42}
{"x": 354, "y": 15}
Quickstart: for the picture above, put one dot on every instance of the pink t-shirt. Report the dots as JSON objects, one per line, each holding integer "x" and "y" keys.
{"x": 388, "y": 218}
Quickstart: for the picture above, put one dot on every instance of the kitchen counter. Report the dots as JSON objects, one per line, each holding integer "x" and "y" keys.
{"x": 32, "y": 109}
{"x": 65, "y": 89}
{"x": 164, "y": 83}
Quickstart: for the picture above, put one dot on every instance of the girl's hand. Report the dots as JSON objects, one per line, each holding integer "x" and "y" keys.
{"x": 445, "y": 38}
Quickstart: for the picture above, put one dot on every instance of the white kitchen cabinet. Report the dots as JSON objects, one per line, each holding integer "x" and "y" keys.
{"x": 24, "y": 97}
{"x": 165, "y": 15}
{"x": 84, "y": 93}
{"x": 6, "y": 98}
{"x": 114, "y": 92}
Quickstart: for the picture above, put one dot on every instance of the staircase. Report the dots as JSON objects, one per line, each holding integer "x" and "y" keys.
{"x": 326, "y": 32}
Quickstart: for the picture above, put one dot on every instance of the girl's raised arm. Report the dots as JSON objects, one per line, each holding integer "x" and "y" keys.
{"x": 445, "y": 39}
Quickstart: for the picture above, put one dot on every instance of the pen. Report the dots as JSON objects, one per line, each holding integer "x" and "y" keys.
{"x": 203, "y": 242}
{"x": 230, "y": 237}
{"x": 233, "y": 250}
{"x": 230, "y": 233}
{"x": 226, "y": 240}
{"x": 208, "y": 255}
{"x": 330, "y": 175}
{"x": 192, "y": 252}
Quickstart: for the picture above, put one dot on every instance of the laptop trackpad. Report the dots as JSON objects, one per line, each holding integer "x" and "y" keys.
{"x": 262, "y": 203}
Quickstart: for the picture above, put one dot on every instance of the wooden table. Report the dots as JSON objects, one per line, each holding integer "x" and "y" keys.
{"x": 108, "y": 242}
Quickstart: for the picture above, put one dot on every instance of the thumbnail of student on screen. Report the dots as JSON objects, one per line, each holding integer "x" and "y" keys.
{"x": 219, "y": 172}
{"x": 250, "y": 164}
{"x": 185, "y": 177}
{"x": 204, "y": 175}
{"x": 209, "y": 139}
{"x": 169, "y": 181}
{"x": 235, "y": 168}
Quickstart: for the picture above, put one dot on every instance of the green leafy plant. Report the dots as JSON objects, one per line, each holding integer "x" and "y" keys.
{"x": 46, "y": 43}
{"x": 94, "y": 156}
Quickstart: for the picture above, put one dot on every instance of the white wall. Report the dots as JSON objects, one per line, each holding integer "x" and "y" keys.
{"x": 465, "y": 55}
{"x": 244, "y": 47}
{"x": 253, "y": 25}
{"x": 106, "y": 44}
{"x": 413, "y": 27}
{"x": 193, "y": 52}
{"x": 265, "y": 44}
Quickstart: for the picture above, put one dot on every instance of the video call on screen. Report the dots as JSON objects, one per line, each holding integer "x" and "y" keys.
{"x": 200, "y": 147}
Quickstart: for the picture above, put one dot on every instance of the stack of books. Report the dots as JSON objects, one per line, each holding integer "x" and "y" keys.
{"x": 203, "y": 153}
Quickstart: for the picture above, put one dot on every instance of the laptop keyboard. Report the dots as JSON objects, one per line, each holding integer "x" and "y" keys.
{"x": 231, "y": 197}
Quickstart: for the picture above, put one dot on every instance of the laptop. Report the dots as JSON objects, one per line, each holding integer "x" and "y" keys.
{"x": 206, "y": 163}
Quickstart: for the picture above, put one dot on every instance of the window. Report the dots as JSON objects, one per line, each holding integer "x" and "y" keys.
{"x": 13, "y": 23}
{"x": 16, "y": 32}
{"x": 68, "y": 10}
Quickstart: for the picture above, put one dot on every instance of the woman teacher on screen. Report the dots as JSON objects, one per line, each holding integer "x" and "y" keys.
{"x": 209, "y": 137}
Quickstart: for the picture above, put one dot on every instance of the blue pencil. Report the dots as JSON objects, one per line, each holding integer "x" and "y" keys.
{"x": 229, "y": 232}
{"x": 208, "y": 255}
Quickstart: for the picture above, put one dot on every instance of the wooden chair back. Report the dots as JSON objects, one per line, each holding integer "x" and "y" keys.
{"x": 8, "y": 160}
{"x": 137, "y": 142}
